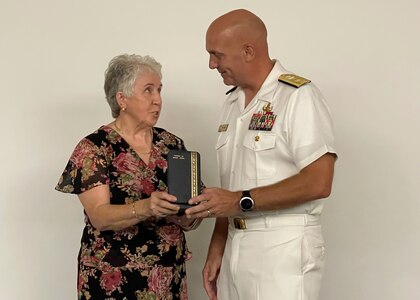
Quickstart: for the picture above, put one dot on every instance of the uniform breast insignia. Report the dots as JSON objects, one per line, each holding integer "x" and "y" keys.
{"x": 223, "y": 127}
{"x": 263, "y": 120}
{"x": 293, "y": 80}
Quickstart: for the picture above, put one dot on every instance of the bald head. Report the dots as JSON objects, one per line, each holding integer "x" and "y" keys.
{"x": 237, "y": 44}
{"x": 240, "y": 25}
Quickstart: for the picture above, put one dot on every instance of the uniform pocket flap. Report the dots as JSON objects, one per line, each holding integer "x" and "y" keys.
{"x": 223, "y": 139}
{"x": 260, "y": 141}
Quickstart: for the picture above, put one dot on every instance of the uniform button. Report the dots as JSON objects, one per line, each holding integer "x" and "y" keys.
{"x": 257, "y": 138}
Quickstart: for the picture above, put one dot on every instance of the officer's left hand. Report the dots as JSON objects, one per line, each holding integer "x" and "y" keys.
{"x": 214, "y": 202}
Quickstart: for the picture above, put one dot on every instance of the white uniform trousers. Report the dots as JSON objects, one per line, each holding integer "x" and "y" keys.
{"x": 277, "y": 257}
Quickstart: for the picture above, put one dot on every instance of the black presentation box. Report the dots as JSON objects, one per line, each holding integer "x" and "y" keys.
{"x": 184, "y": 176}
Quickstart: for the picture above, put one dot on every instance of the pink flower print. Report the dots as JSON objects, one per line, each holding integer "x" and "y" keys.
{"x": 161, "y": 163}
{"x": 135, "y": 185}
{"x": 126, "y": 163}
{"x": 110, "y": 281}
{"x": 159, "y": 281}
{"x": 81, "y": 152}
{"x": 138, "y": 186}
{"x": 170, "y": 234}
{"x": 147, "y": 187}
{"x": 80, "y": 283}
{"x": 183, "y": 294}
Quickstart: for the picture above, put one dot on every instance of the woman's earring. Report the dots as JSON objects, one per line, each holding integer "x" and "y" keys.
{"x": 123, "y": 108}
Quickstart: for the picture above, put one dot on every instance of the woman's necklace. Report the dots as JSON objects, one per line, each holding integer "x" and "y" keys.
{"x": 122, "y": 134}
{"x": 118, "y": 128}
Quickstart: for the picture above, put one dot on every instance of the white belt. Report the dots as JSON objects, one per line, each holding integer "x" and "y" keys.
{"x": 271, "y": 221}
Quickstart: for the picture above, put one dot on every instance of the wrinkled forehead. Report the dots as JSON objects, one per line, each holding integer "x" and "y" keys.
{"x": 222, "y": 38}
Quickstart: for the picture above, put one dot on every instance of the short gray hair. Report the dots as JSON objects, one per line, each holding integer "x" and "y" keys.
{"x": 121, "y": 75}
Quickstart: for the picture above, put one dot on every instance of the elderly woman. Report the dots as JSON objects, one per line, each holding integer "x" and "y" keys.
{"x": 133, "y": 245}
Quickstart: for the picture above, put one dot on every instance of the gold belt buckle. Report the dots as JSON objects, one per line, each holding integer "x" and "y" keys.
{"x": 239, "y": 223}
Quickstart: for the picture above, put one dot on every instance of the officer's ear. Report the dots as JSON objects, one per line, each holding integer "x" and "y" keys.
{"x": 249, "y": 52}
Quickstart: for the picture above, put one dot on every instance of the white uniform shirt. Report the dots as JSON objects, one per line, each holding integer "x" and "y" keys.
{"x": 302, "y": 133}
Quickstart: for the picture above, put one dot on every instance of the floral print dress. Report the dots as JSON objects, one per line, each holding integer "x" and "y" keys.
{"x": 145, "y": 261}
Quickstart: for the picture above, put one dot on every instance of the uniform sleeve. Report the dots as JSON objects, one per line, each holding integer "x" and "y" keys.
{"x": 309, "y": 126}
{"x": 86, "y": 169}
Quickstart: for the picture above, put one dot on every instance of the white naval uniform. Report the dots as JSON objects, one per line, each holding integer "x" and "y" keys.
{"x": 280, "y": 254}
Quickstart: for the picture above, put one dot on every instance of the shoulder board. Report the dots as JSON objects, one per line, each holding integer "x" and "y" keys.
{"x": 231, "y": 90}
{"x": 293, "y": 80}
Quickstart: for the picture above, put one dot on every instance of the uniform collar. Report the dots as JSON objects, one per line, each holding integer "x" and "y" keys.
{"x": 233, "y": 95}
{"x": 267, "y": 89}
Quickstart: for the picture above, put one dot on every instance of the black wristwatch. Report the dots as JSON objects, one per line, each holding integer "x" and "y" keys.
{"x": 246, "y": 203}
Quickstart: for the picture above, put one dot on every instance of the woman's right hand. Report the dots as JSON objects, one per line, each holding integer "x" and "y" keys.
{"x": 159, "y": 204}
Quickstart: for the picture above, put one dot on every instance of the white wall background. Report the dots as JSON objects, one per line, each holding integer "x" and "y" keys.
{"x": 364, "y": 55}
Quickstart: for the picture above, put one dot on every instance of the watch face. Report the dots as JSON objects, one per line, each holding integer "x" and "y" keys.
{"x": 247, "y": 203}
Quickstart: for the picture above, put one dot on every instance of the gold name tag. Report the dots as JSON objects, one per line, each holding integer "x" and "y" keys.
{"x": 223, "y": 127}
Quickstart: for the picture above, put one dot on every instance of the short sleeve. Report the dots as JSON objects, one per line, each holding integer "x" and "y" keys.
{"x": 309, "y": 126}
{"x": 86, "y": 169}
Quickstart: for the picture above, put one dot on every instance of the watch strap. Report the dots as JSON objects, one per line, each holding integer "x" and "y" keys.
{"x": 246, "y": 194}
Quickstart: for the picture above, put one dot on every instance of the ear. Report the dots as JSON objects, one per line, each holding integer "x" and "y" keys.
{"x": 249, "y": 52}
{"x": 119, "y": 96}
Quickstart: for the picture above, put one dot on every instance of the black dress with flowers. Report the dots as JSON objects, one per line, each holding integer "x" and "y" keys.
{"x": 144, "y": 261}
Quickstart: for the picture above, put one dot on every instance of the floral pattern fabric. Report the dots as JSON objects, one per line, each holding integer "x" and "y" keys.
{"x": 145, "y": 261}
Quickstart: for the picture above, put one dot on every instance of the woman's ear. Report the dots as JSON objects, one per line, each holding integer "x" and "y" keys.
{"x": 119, "y": 96}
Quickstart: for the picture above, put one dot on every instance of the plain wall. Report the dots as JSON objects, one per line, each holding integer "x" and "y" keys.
{"x": 363, "y": 55}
